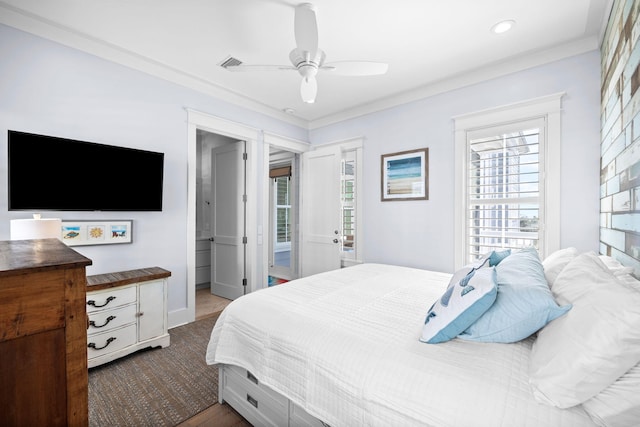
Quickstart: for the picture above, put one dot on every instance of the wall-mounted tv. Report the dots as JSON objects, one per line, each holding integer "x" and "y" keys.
{"x": 50, "y": 173}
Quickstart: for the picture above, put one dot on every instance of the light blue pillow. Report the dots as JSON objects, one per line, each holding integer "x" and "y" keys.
{"x": 464, "y": 301}
{"x": 496, "y": 257}
{"x": 524, "y": 303}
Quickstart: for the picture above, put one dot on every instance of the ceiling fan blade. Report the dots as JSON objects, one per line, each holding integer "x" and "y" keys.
{"x": 356, "y": 68}
{"x": 306, "y": 28}
{"x": 309, "y": 89}
{"x": 244, "y": 67}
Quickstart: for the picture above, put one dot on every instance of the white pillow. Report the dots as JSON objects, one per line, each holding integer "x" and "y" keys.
{"x": 615, "y": 266}
{"x": 554, "y": 263}
{"x": 619, "y": 404}
{"x": 581, "y": 353}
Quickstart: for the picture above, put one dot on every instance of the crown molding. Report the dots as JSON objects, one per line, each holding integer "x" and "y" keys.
{"x": 42, "y": 27}
{"x": 47, "y": 29}
{"x": 497, "y": 69}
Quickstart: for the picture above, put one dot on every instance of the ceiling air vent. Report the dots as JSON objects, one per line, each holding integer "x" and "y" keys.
{"x": 230, "y": 62}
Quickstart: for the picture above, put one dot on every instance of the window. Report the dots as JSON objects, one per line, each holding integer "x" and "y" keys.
{"x": 507, "y": 179}
{"x": 348, "y": 203}
{"x": 283, "y": 212}
{"x": 504, "y": 202}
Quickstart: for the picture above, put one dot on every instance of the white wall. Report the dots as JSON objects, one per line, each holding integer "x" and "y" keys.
{"x": 420, "y": 233}
{"x": 50, "y": 89}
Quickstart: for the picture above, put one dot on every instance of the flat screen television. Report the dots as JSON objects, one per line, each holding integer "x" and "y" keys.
{"x": 51, "y": 173}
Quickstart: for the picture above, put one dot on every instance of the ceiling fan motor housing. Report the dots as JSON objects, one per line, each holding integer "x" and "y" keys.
{"x": 306, "y": 64}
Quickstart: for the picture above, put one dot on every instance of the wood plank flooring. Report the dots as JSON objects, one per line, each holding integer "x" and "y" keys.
{"x": 207, "y": 304}
{"x": 218, "y": 415}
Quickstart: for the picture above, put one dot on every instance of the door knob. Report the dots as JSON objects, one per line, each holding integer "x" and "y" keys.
{"x": 335, "y": 240}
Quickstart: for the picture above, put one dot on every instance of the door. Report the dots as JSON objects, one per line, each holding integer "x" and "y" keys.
{"x": 228, "y": 222}
{"x": 320, "y": 211}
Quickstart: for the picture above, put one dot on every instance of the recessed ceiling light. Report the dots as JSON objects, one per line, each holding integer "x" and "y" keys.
{"x": 503, "y": 26}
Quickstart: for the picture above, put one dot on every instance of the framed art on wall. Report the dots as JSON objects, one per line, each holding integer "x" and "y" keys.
{"x": 78, "y": 233}
{"x": 405, "y": 175}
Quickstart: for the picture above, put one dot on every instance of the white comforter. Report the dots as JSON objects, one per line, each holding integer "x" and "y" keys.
{"x": 344, "y": 346}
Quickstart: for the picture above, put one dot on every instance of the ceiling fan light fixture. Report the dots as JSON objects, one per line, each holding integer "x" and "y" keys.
{"x": 503, "y": 26}
{"x": 309, "y": 89}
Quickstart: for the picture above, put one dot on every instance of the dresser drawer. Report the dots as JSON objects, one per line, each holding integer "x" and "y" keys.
{"x": 256, "y": 402}
{"x": 106, "y": 320}
{"x": 111, "y": 341}
{"x": 111, "y": 298}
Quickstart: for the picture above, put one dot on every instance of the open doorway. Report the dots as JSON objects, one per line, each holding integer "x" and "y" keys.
{"x": 199, "y": 121}
{"x": 210, "y": 209}
{"x": 283, "y": 216}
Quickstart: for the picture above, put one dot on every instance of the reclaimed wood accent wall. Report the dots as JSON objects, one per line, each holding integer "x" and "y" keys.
{"x": 620, "y": 136}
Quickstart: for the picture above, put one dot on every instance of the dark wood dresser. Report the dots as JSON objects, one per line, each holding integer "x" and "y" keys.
{"x": 43, "y": 334}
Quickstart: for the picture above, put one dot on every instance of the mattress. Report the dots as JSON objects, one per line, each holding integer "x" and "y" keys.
{"x": 343, "y": 345}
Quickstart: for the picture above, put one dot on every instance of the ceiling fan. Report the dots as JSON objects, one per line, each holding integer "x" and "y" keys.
{"x": 308, "y": 59}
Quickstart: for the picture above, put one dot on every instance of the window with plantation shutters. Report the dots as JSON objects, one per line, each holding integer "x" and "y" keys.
{"x": 507, "y": 179}
{"x": 283, "y": 210}
{"x": 348, "y": 203}
{"x": 504, "y": 203}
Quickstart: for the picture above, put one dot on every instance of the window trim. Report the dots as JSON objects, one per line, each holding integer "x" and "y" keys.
{"x": 546, "y": 107}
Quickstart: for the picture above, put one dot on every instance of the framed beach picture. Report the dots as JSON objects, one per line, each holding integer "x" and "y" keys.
{"x": 101, "y": 232}
{"x": 405, "y": 175}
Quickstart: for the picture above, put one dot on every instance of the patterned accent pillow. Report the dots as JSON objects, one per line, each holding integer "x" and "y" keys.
{"x": 464, "y": 301}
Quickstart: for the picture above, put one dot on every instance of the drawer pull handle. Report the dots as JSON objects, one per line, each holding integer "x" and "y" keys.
{"x": 109, "y": 341}
{"x": 93, "y": 303}
{"x": 106, "y": 322}
{"x": 252, "y": 378}
{"x": 253, "y": 401}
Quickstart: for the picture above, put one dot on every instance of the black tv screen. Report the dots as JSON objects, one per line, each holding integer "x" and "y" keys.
{"x": 50, "y": 173}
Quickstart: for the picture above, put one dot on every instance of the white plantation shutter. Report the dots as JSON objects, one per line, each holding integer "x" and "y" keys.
{"x": 504, "y": 187}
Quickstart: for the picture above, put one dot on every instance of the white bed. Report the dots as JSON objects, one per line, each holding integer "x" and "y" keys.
{"x": 343, "y": 346}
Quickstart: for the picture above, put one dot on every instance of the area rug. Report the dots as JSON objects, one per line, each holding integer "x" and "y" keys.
{"x": 156, "y": 387}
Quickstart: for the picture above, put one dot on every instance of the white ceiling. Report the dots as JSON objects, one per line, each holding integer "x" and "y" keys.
{"x": 430, "y": 46}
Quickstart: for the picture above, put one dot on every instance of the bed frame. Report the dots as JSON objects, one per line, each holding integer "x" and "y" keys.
{"x": 259, "y": 404}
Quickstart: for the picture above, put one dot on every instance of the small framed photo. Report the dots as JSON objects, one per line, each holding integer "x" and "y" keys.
{"x": 405, "y": 175}
{"x": 83, "y": 233}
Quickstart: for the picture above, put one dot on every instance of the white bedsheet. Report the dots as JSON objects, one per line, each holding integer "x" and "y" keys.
{"x": 344, "y": 346}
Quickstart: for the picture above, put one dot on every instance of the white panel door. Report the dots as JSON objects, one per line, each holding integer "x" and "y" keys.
{"x": 227, "y": 250}
{"x": 320, "y": 211}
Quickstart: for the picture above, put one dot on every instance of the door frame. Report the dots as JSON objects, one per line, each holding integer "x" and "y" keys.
{"x": 287, "y": 144}
{"x": 199, "y": 120}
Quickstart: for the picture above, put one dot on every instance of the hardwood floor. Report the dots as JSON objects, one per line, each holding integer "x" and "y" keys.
{"x": 207, "y": 304}
{"x": 218, "y": 415}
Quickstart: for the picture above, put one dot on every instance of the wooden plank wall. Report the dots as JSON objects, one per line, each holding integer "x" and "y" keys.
{"x": 620, "y": 136}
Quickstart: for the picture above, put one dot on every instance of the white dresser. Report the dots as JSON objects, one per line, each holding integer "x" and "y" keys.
{"x": 127, "y": 312}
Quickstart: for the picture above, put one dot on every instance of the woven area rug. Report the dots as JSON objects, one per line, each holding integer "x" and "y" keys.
{"x": 156, "y": 387}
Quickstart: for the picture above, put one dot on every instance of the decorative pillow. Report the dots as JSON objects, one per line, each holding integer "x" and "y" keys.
{"x": 462, "y": 303}
{"x": 619, "y": 404}
{"x": 585, "y": 351}
{"x": 554, "y": 263}
{"x": 496, "y": 257}
{"x": 524, "y": 303}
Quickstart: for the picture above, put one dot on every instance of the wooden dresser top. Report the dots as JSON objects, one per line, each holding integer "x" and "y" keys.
{"x": 22, "y": 256}
{"x": 110, "y": 280}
